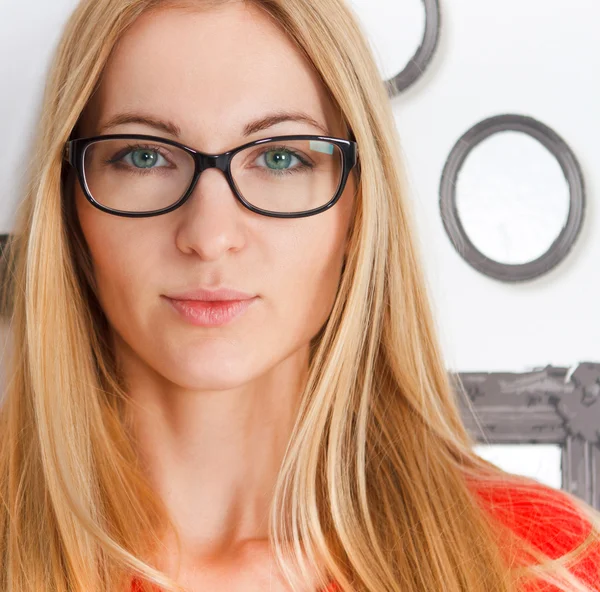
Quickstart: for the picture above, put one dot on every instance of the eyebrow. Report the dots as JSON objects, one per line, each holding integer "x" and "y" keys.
{"x": 250, "y": 128}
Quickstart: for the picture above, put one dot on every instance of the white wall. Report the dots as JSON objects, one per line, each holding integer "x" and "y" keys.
{"x": 29, "y": 31}
{"x": 538, "y": 58}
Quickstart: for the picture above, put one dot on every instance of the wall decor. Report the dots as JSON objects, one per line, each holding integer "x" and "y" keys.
{"x": 424, "y": 54}
{"x": 512, "y": 197}
{"x": 550, "y": 405}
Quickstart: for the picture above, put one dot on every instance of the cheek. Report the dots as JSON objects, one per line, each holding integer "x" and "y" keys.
{"x": 119, "y": 258}
{"x": 310, "y": 266}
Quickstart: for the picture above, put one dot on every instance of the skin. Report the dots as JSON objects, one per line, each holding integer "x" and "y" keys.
{"x": 215, "y": 406}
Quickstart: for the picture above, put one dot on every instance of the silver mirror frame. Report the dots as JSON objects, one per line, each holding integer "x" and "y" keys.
{"x": 454, "y": 228}
{"x": 550, "y": 405}
{"x": 422, "y": 58}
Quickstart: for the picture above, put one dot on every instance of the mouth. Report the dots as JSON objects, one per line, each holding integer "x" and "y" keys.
{"x": 210, "y": 313}
{"x": 204, "y": 295}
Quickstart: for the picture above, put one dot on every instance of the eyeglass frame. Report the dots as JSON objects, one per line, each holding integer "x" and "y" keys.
{"x": 75, "y": 151}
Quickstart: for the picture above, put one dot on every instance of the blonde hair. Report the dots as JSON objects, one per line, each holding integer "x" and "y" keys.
{"x": 378, "y": 487}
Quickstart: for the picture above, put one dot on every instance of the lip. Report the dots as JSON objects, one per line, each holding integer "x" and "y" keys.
{"x": 220, "y": 295}
{"x": 214, "y": 313}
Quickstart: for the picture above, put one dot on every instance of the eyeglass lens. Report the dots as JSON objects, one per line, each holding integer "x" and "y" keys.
{"x": 281, "y": 176}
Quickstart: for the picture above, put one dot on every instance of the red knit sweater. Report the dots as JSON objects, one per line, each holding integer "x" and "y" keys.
{"x": 546, "y": 518}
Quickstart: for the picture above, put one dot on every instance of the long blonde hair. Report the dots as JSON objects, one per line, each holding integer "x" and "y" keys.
{"x": 378, "y": 487}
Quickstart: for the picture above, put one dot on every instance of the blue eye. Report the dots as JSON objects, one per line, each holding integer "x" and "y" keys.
{"x": 137, "y": 159}
{"x": 143, "y": 158}
{"x": 281, "y": 160}
{"x": 278, "y": 159}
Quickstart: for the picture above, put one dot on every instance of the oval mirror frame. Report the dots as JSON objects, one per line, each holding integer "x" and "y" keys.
{"x": 573, "y": 175}
{"x": 422, "y": 58}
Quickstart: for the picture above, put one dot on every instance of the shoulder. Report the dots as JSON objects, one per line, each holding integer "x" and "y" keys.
{"x": 549, "y": 519}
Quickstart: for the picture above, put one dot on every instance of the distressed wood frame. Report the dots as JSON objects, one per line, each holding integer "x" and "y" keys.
{"x": 550, "y": 405}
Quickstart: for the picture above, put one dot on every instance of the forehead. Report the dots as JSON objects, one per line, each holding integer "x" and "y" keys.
{"x": 210, "y": 71}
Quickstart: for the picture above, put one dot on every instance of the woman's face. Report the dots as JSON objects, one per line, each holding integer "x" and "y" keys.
{"x": 211, "y": 73}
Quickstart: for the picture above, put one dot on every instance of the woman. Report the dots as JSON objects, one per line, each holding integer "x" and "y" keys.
{"x": 162, "y": 430}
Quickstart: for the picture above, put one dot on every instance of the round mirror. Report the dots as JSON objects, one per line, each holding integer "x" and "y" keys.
{"x": 512, "y": 197}
{"x": 404, "y": 36}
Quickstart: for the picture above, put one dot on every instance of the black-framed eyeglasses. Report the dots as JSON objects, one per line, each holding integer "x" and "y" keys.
{"x": 138, "y": 175}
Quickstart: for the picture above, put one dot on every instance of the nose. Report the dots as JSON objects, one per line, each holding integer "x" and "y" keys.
{"x": 211, "y": 222}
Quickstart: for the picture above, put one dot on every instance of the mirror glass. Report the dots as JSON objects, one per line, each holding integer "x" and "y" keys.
{"x": 512, "y": 197}
{"x": 395, "y": 31}
{"x": 540, "y": 461}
